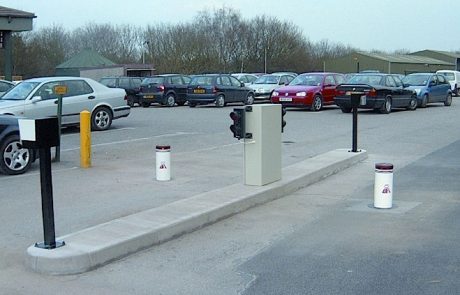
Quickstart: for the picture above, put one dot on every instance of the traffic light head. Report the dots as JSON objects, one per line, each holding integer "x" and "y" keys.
{"x": 238, "y": 127}
{"x": 283, "y": 122}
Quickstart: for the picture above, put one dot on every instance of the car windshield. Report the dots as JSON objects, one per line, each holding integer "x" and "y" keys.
{"x": 202, "y": 80}
{"x": 366, "y": 79}
{"x": 308, "y": 80}
{"x": 416, "y": 80}
{"x": 267, "y": 79}
{"x": 20, "y": 91}
{"x": 153, "y": 80}
{"x": 109, "y": 82}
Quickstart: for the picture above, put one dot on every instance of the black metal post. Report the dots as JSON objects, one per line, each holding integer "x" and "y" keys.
{"x": 8, "y": 54}
{"x": 47, "y": 201}
{"x": 354, "y": 148}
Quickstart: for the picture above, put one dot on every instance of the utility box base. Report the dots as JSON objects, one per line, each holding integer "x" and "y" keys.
{"x": 262, "y": 152}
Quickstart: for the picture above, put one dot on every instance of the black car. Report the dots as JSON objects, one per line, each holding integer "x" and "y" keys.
{"x": 219, "y": 89}
{"x": 14, "y": 159}
{"x": 132, "y": 86}
{"x": 386, "y": 92}
{"x": 167, "y": 90}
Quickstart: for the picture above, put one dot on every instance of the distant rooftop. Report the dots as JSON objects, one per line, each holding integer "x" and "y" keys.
{"x": 10, "y": 12}
{"x": 86, "y": 59}
{"x": 448, "y": 53}
{"x": 395, "y": 58}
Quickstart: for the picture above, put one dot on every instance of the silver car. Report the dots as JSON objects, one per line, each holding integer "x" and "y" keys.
{"x": 36, "y": 98}
{"x": 264, "y": 85}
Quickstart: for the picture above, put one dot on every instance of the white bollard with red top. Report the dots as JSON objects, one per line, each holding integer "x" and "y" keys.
{"x": 163, "y": 162}
{"x": 383, "y": 186}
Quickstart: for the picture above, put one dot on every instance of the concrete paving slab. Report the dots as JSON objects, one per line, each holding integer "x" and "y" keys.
{"x": 95, "y": 246}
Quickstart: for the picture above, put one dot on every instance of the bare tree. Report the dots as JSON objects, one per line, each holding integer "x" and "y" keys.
{"x": 215, "y": 41}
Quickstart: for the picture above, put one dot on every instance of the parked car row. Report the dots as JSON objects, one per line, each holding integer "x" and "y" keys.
{"x": 172, "y": 89}
{"x": 309, "y": 90}
{"x": 386, "y": 91}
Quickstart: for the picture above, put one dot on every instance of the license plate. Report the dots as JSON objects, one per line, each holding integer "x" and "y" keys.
{"x": 199, "y": 91}
{"x": 149, "y": 96}
{"x": 285, "y": 98}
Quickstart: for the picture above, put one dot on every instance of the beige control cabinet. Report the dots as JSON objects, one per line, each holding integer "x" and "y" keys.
{"x": 262, "y": 152}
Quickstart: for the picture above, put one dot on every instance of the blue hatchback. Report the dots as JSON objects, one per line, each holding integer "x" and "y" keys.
{"x": 430, "y": 87}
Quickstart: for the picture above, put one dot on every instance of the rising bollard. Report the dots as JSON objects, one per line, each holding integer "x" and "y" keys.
{"x": 163, "y": 162}
{"x": 42, "y": 134}
{"x": 383, "y": 186}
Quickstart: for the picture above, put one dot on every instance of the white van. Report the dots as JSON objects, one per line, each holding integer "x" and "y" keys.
{"x": 454, "y": 79}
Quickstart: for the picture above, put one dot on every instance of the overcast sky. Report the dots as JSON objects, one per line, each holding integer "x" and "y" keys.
{"x": 366, "y": 24}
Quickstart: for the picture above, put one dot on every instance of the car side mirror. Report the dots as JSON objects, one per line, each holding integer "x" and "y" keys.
{"x": 432, "y": 83}
{"x": 36, "y": 99}
{"x": 242, "y": 84}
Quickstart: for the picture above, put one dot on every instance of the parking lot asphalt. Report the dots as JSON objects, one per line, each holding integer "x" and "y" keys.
{"x": 352, "y": 248}
{"x": 95, "y": 246}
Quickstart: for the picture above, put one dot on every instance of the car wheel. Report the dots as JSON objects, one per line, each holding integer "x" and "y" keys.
{"x": 101, "y": 119}
{"x": 412, "y": 104}
{"x": 191, "y": 104}
{"x": 448, "y": 100}
{"x": 14, "y": 158}
{"x": 220, "y": 101}
{"x": 249, "y": 99}
{"x": 170, "y": 100}
{"x": 424, "y": 101}
{"x": 386, "y": 107}
{"x": 145, "y": 104}
{"x": 130, "y": 101}
{"x": 317, "y": 103}
{"x": 346, "y": 110}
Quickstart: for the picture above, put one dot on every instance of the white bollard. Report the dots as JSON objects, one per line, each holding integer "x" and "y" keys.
{"x": 163, "y": 162}
{"x": 383, "y": 186}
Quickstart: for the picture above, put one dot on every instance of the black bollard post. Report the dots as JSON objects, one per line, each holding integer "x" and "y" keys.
{"x": 47, "y": 201}
{"x": 355, "y": 98}
{"x": 354, "y": 147}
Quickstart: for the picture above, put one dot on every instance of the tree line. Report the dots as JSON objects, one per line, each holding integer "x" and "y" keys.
{"x": 215, "y": 41}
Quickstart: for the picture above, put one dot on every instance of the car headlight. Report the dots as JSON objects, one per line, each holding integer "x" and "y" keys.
{"x": 275, "y": 93}
{"x": 302, "y": 93}
{"x": 417, "y": 90}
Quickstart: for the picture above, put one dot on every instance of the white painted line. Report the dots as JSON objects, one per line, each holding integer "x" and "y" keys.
{"x": 105, "y": 132}
{"x": 209, "y": 148}
{"x": 132, "y": 140}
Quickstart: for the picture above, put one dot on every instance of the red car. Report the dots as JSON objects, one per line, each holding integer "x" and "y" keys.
{"x": 310, "y": 90}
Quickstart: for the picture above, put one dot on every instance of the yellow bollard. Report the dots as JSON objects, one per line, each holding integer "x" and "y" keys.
{"x": 85, "y": 139}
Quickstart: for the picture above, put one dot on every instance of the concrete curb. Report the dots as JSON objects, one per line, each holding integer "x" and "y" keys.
{"x": 95, "y": 246}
